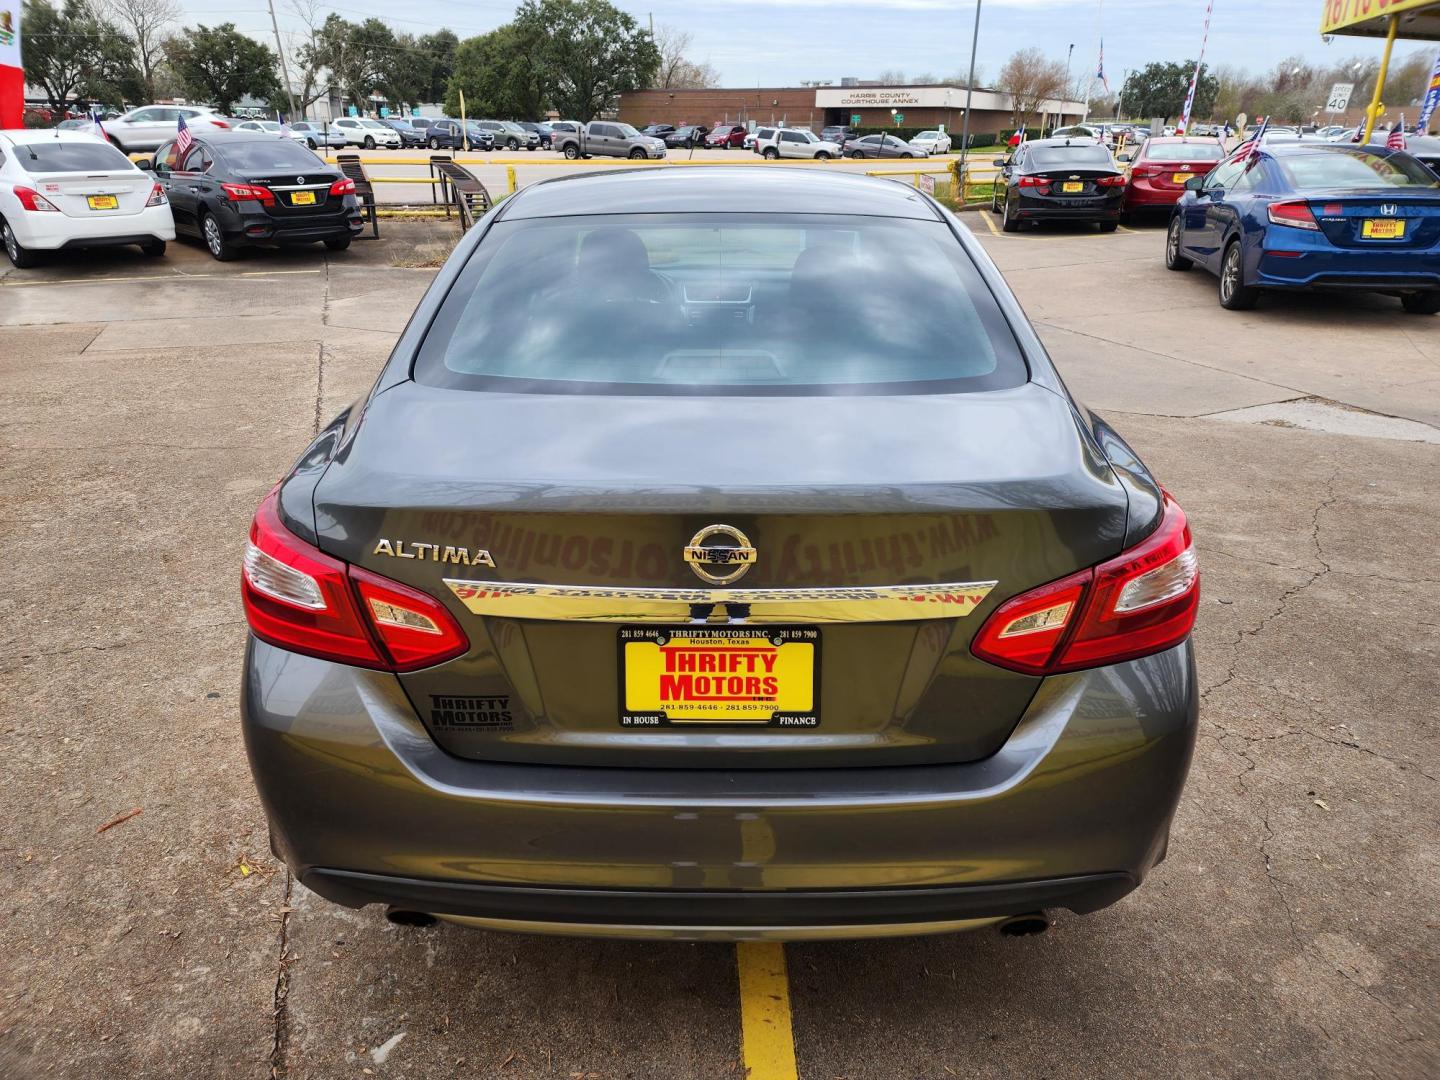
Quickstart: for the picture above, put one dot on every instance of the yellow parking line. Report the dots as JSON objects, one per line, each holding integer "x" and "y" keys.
{"x": 7, "y": 284}
{"x": 767, "y": 1041}
{"x": 986, "y": 216}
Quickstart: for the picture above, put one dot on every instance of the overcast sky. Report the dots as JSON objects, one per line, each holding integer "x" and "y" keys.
{"x": 780, "y": 42}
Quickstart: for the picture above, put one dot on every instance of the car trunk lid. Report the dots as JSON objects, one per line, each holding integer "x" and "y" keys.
{"x": 100, "y": 194}
{"x": 1382, "y": 218}
{"x": 524, "y": 515}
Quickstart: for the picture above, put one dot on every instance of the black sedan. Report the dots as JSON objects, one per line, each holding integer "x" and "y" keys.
{"x": 238, "y": 188}
{"x": 684, "y": 137}
{"x": 409, "y": 134}
{"x": 1059, "y": 180}
{"x": 737, "y": 565}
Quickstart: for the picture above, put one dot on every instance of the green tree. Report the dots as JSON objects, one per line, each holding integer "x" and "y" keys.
{"x": 1159, "y": 90}
{"x": 220, "y": 65}
{"x": 499, "y": 76}
{"x": 71, "y": 52}
{"x": 587, "y": 52}
{"x": 406, "y": 73}
{"x": 440, "y": 48}
{"x": 357, "y": 55}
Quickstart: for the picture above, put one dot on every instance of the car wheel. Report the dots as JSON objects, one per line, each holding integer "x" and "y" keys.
{"x": 1173, "y": 259}
{"x": 1235, "y": 295}
{"x": 858, "y": 155}
{"x": 215, "y": 240}
{"x": 770, "y": 153}
{"x": 637, "y": 154}
{"x": 1109, "y": 226}
{"x": 369, "y": 143}
{"x": 433, "y": 143}
{"x": 572, "y": 152}
{"x": 154, "y": 248}
{"x": 1421, "y": 303}
{"x": 823, "y": 155}
{"x": 1008, "y": 223}
{"x": 19, "y": 256}
{"x": 907, "y": 154}
{"x": 338, "y": 243}
{"x": 312, "y": 144}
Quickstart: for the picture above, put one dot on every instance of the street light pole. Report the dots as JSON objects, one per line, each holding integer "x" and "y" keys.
{"x": 969, "y": 94}
{"x": 289, "y": 90}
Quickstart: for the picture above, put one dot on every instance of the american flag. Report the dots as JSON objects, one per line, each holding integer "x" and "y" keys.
{"x": 1100, "y": 67}
{"x": 183, "y": 139}
{"x": 1396, "y": 139}
{"x": 1250, "y": 145}
{"x": 96, "y": 128}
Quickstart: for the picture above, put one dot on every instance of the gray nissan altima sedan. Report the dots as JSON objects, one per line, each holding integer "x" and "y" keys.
{"x": 720, "y": 555}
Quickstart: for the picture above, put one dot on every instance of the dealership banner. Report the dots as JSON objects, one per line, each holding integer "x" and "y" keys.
{"x": 12, "y": 71}
{"x": 1432, "y": 98}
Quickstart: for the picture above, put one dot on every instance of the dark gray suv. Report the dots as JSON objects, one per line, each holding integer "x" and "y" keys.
{"x": 800, "y": 600}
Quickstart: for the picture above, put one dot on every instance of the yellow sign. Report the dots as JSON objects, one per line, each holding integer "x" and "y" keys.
{"x": 1420, "y": 19}
{"x": 718, "y": 675}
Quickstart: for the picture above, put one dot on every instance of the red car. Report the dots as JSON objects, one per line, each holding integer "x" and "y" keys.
{"x": 1157, "y": 174}
{"x": 725, "y": 136}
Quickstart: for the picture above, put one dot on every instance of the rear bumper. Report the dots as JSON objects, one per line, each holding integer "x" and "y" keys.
{"x": 251, "y": 224}
{"x": 1107, "y": 209}
{"x": 1140, "y": 195}
{"x": 1072, "y": 812}
{"x": 55, "y": 231}
{"x": 1337, "y": 268}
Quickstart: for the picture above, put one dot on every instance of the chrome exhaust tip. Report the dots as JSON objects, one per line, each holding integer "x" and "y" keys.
{"x": 405, "y": 917}
{"x": 1032, "y": 922}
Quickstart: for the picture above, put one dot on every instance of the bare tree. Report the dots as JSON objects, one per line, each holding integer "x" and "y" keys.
{"x": 305, "y": 55}
{"x": 1029, "y": 78}
{"x": 149, "y": 23}
{"x": 677, "y": 72}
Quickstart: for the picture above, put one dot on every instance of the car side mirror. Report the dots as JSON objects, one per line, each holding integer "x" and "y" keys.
{"x": 1194, "y": 183}
{"x": 144, "y": 163}
{"x": 999, "y": 163}
{"x": 1122, "y": 157}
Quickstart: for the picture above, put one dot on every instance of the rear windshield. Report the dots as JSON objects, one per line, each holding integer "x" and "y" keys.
{"x": 263, "y": 155}
{"x": 720, "y": 304}
{"x": 1343, "y": 167}
{"x": 1184, "y": 152}
{"x": 1069, "y": 157}
{"x": 57, "y": 156}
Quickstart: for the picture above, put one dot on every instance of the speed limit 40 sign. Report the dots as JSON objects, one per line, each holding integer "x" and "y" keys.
{"x": 1339, "y": 97}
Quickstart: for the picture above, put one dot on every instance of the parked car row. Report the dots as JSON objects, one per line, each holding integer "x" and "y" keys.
{"x": 229, "y": 189}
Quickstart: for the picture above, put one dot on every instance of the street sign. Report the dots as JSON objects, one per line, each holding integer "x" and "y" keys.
{"x": 899, "y": 118}
{"x": 1339, "y": 99}
{"x": 927, "y": 183}
{"x": 854, "y": 119}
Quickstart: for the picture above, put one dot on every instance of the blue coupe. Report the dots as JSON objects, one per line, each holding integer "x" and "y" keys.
{"x": 1313, "y": 216}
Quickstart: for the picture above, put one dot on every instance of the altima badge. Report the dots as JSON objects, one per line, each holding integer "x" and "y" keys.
{"x": 447, "y": 553}
{"x": 720, "y": 554}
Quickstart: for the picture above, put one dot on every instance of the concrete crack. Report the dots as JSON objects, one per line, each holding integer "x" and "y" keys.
{"x": 320, "y": 364}
{"x": 280, "y": 1043}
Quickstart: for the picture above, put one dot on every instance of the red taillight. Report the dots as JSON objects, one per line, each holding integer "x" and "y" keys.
{"x": 1141, "y": 602}
{"x": 1145, "y": 172}
{"x": 249, "y": 193}
{"x": 343, "y": 187}
{"x": 31, "y": 199}
{"x": 1033, "y": 181}
{"x": 221, "y": 124}
{"x": 1109, "y": 181}
{"x": 1297, "y": 215}
{"x": 301, "y": 599}
{"x": 157, "y": 196}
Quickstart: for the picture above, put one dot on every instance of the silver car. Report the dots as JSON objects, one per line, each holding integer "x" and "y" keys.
{"x": 720, "y": 554}
{"x": 316, "y": 134}
{"x": 272, "y": 127}
{"x": 147, "y": 127}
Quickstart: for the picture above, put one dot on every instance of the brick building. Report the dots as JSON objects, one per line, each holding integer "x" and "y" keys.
{"x": 815, "y": 107}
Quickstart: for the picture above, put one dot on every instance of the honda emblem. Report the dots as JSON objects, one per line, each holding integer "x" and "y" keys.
{"x": 1389, "y": 209}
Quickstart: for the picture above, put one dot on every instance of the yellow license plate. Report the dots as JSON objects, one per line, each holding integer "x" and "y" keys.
{"x": 1071, "y": 186}
{"x": 1180, "y": 177}
{"x": 719, "y": 675}
{"x": 103, "y": 202}
{"x": 302, "y": 198}
{"x": 1382, "y": 228}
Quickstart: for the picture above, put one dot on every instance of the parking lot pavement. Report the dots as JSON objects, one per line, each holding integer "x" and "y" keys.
{"x": 147, "y": 405}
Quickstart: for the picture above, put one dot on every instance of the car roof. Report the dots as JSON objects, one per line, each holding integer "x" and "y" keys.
{"x": 718, "y": 189}
{"x": 234, "y": 135}
{"x": 1064, "y": 140}
{"x": 22, "y": 136}
{"x": 1161, "y": 140}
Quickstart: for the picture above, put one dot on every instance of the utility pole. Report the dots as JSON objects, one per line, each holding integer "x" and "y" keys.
{"x": 289, "y": 90}
{"x": 969, "y": 94}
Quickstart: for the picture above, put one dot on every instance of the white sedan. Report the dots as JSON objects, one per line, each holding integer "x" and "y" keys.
{"x": 932, "y": 142}
{"x": 272, "y": 127}
{"x": 67, "y": 189}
